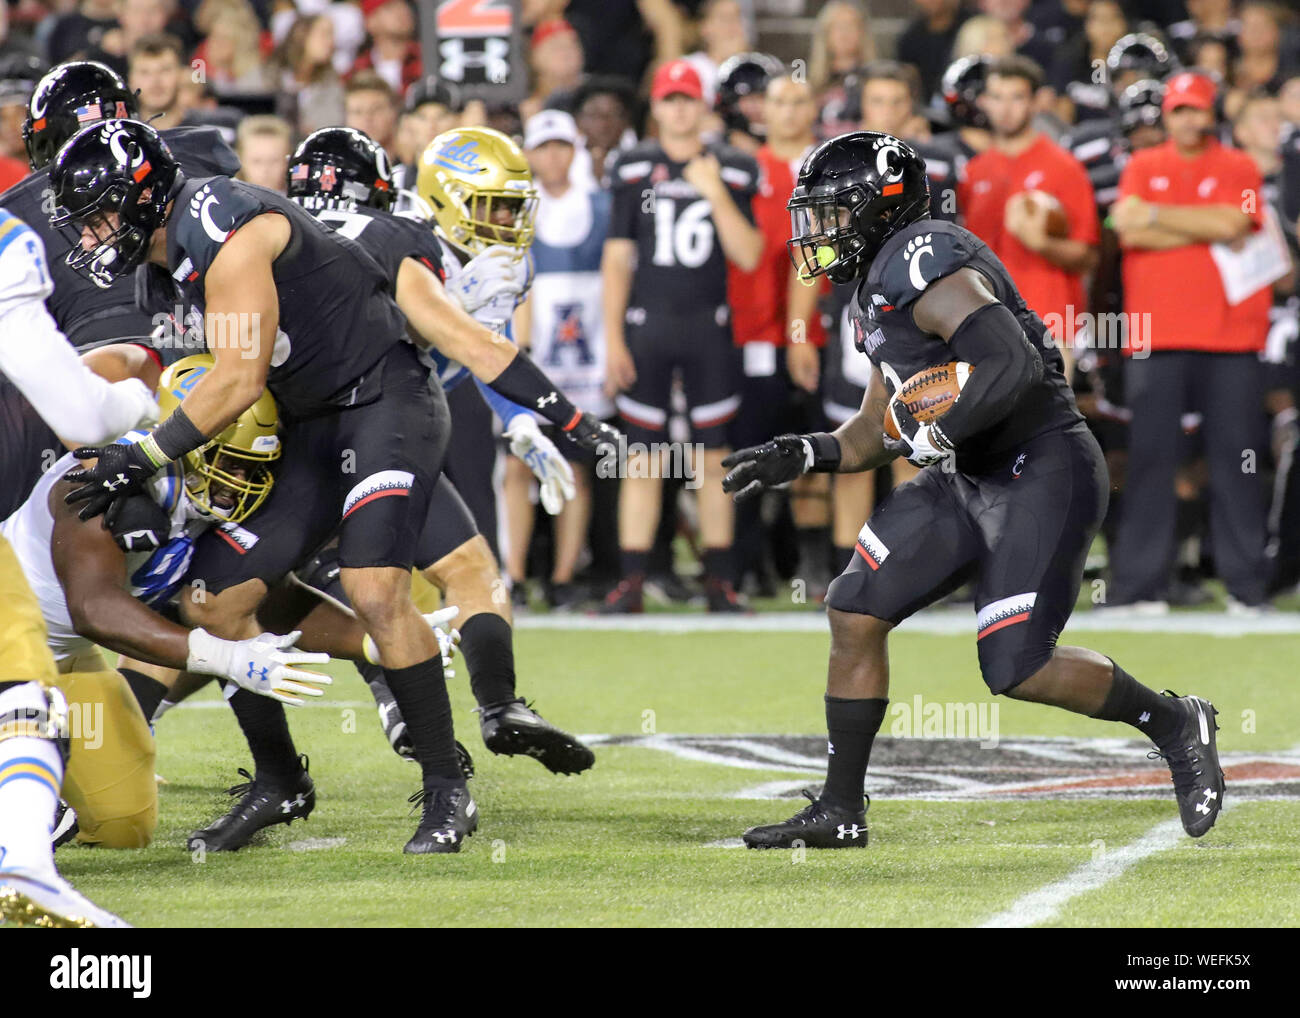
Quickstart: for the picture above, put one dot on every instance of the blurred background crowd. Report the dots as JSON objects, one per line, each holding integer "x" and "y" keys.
{"x": 1099, "y": 147}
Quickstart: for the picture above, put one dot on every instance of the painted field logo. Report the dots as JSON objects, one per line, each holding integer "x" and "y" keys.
{"x": 945, "y": 720}
{"x": 77, "y": 971}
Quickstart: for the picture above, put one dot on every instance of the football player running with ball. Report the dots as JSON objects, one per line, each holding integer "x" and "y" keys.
{"x": 1013, "y": 490}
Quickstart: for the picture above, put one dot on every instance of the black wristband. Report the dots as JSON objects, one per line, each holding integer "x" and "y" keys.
{"x": 177, "y": 435}
{"x": 826, "y": 452}
{"x": 524, "y": 383}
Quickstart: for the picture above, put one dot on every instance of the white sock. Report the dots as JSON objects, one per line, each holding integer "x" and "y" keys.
{"x": 163, "y": 707}
{"x": 31, "y": 772}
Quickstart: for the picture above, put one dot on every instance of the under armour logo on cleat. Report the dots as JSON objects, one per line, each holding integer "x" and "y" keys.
{"x": 847, "y": 831}
{"x": 288, "y": 804}
{"x": 1204, "y": 807}
{"x": 442, "y": 837}
{"x": 1146, "y": 716}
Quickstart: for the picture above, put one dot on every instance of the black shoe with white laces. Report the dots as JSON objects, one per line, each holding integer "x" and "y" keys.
{"x": 262, "y": 803}
{"x": 1193, "y": 758}
{"x": 513, "y": 728}
{"x": 449, "y": 817}
{"x": 817, "y": 825}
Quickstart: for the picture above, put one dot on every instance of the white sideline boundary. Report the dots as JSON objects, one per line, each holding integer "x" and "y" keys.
{"x": 1045, "y": 904}
{"x": 939, "y": 622}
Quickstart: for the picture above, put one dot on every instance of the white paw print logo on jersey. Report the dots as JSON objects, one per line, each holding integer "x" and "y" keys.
{"x": 201, "y": 206}
{"x": 916, "y": 247}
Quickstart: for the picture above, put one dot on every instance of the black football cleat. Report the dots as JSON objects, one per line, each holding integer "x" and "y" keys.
{"x": 262, "y": 803}
{"x": 513, "y": 728}
{"x": 449, "y": 817}
{"x": 390, "y": 718}
{"x": 1193, "y": 758}
{"x": 817, "y": 825}
{"x": 65, "y": 824}
{"x": 721, "y": 598}
{"x": 628, "y": 598}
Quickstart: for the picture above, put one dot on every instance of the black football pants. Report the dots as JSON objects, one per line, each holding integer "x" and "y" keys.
{"x": 1227, "y": 390}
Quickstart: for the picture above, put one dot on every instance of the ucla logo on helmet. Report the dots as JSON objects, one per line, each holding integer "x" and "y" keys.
{"x": 462, "y": 157}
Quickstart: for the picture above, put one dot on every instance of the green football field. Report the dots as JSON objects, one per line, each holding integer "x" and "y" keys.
{"x": 700, "y": 734}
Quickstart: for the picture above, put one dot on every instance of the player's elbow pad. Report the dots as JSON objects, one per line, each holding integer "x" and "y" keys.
{"x": 1006, "y": 365}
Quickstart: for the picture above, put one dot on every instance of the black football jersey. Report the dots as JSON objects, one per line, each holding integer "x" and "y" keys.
{"x": 388, "y": 239}
{"x": 1289, "y": 175}
{"x": 680, "y": 266}
{"x": 1104, "y": 151}
{"x": 28, "y": 447}
{"x": 946, "y": 156}
{"x": 87, "y": 313}
{"x": 337, "y": 315}
{"x": 883, "y": 328}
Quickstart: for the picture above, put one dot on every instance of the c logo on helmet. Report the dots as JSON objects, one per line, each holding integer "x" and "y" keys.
{"x": 41, "y": 97}
{"x": 889, "y": 161}
{"x": 381, "y": 161}
{"x": 124, "y": 150}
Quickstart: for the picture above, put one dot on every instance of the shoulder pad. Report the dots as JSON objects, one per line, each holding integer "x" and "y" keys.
{"x": 24, "y": 274}
{"x": 915, "y": 257}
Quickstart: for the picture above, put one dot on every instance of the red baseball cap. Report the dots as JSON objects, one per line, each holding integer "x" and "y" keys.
{"x": 546, "y": 29}
{"x": 674, "y": 78}
{"x": 1188, "y": 88}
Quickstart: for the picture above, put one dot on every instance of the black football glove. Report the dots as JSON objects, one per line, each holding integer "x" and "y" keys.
{"x": 138, "y": 523}
{"x": 592, "y": 434}
{"x": 765, "y": 466}
{"x": 122, "y": 470}
{"x": 920, "y": 444}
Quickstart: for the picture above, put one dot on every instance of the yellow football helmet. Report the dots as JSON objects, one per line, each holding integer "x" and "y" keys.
{"x": 468, "y": 175}
{"x": 247, "y": 446}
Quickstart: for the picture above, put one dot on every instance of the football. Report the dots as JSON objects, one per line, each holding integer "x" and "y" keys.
{"x": 929, "y": 394}
{"x": 1058, "y": 225}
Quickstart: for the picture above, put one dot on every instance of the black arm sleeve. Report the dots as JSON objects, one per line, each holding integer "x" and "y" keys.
{"x": 524, "y": 383}
{"x": 1005, "y": 365}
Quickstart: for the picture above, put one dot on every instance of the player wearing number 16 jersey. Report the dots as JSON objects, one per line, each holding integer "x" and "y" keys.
{"x": 681, "y": 211}
{"x": 1012, "y": 491}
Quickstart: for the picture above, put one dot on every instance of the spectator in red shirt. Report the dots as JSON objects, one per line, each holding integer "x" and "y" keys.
{"x": 774, "y": 317}
{"x": 394, "y": 53}
{"x": 1191, "y": 349}
{"x": 1048, "y": 270}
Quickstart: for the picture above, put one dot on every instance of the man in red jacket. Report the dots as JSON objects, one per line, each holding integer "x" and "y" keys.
{"x": 1191, "y": 348}
{"x": 1048, "y": 270}
{"x": 776, "y": 323}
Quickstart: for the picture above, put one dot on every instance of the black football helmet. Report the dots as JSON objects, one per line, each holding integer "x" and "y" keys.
{"x": 339, "y": 167}
{"x": 743, "y": 75}
{"x": 118, "y": 168}
{"x": 70, "y": 97}
{"x": 19, "y": 75}
{"x": 1139, "y": 105}
{"x": 962, "y": 84}
{"x": 854, "y": 192}
{"x": 1141, "y": 52}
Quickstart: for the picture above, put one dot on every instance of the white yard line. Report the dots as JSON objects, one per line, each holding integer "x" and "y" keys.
{"x": 940, "y": 622}
{"x": 1045, "y": 904}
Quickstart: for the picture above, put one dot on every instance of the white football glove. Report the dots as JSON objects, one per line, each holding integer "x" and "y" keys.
{"x": 448, "y": 640}
{"x": 136, "y": 403}
{"x": 264, "y": 664}
{"x": 490, "y": 284}
{"x": 920, "y": 444}
{"x": 552, "y": 470}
